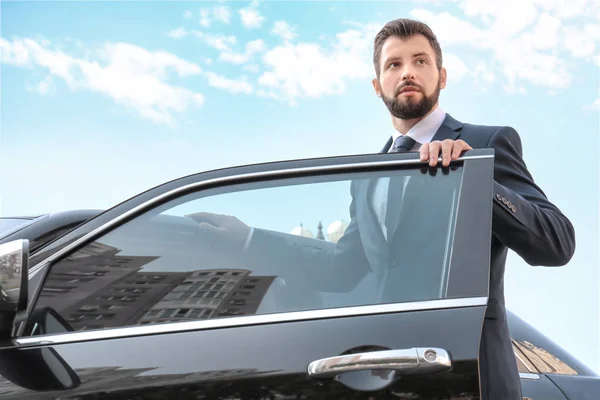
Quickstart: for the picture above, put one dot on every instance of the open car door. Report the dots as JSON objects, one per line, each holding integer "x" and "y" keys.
{"x": 364, "y": 277}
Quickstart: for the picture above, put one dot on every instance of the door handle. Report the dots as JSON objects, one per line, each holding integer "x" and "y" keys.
{"x": 415, "y": 361}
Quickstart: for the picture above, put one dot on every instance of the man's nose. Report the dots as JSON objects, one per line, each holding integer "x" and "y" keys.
{"x": 408, "y": 73}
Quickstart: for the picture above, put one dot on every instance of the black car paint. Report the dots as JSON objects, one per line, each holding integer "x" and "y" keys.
{"x": 195, "y": 365}
{"x": 43, "y": 229}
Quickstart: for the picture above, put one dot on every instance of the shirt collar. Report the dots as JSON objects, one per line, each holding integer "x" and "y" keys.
{"x": 425, "y": 129}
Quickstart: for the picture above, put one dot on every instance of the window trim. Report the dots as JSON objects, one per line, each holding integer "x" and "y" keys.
{"x": 530, "y": 376}
{"x": 261, "y": 319}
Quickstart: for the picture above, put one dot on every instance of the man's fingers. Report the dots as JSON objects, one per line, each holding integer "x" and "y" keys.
{"x": 456, "y": 151}
{"x": 447, "y": 146}
{"x": 459, "y": 147}
{"x": 424, "y": 152}
{"x": 434, "y": 153}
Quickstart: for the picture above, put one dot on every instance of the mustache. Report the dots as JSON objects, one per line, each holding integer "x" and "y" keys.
{"x": 413, "y": 84}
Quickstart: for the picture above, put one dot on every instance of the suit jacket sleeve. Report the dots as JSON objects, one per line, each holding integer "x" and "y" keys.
{"x": 523, "y": 217}
{"x": 329, "y": 266}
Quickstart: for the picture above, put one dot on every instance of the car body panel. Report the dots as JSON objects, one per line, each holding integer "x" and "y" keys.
{"x": 240, "y": 362}
{"x": 540, "y": 387}
{"x": 42, "y": 230}
{"x": 577, "y": 387}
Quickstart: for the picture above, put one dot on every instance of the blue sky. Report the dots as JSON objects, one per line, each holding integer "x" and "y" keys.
{"x": 103, "y": 100}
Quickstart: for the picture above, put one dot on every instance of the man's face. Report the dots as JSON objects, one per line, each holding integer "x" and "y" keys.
{"x": 409, "y": 82}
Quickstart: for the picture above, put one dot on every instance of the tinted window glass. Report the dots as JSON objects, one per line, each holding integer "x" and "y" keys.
{"x": 164, "y": 266}
{"x": 544, "y": 360}
{"x": 523, "y": 364}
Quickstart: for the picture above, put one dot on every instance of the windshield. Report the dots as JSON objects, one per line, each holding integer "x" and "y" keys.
{"x": 10, "y": 224}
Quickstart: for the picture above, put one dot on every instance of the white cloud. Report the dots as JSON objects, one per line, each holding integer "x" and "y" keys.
{"x": 504, "y": 18}
{"x": 222, "y": 14}
{"x": 252, "y": 47}
{"x": 528, "y": 42}
{"x": 205, "y": 18}
{"x": 44, "y": 87}
{"x": 544, "y": 35}
{"x": 564, "y": 9}
{"x": 483, "y": 74}
{"x": 283, "y": 30}
{"x": 594, "y": 106}
{"x": 187, "y": 14}
{"x": 310, "y": 70}
{"x": 132, "y": 76}
{"x": 253, "y": 68}
{"x": 229, "y": 85}
{"x": 219, "y": 42}
{"x": 457, "y": 69}
{"x": 251, "y": 17}
{"x": 177, "y": 33}
{"x": 581, "y": 42}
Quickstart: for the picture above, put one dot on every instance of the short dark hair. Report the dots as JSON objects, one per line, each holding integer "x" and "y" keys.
{"x": 404, "y": 28}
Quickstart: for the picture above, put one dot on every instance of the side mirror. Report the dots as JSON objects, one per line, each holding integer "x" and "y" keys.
{"x": 38, "y": 369}
{"x": 41, "y": 368}
{"x": 14, "y": 268}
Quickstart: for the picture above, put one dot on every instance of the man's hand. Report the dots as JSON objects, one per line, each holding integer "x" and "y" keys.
{"x": 225, "y": 229}
{"x": 448, "y": 149}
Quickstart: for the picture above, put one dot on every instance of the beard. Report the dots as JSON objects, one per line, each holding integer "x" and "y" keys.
{"x": 410, "y": 108}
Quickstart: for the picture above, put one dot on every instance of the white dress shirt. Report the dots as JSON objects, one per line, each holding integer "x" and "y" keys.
{"x": 422, "y": 132}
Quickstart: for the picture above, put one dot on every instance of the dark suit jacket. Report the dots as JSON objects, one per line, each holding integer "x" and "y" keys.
{"x": 523, "y": 220}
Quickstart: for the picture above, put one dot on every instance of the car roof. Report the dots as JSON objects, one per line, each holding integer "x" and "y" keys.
{"x": 46, "y": 223}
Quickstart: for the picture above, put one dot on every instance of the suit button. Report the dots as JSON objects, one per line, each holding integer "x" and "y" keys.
{"x": 514, "y": 208}
{"x": 499, "y": 197}
{"x": 504, "y": 200}
{"x": 509, "y": 204}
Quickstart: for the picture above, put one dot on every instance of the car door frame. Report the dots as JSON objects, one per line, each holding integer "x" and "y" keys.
{"x": 152, "y": 198}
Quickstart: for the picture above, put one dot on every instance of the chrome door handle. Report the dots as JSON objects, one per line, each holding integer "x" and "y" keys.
{"x": 418, "y": 360}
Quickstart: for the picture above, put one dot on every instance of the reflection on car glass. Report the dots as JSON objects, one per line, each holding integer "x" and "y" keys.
{"x": 164, "y": 268}
{"x": 544, "y": 361}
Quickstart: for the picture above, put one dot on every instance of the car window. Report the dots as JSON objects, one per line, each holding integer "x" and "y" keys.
{"x": 523, "y": 364}
{"x": 303, "y": 254}
{"x": 544, "y": 360}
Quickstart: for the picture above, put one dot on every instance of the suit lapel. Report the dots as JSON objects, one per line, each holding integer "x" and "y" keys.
{"x": 387, "y": 146}
{"x": 450, "y": 129}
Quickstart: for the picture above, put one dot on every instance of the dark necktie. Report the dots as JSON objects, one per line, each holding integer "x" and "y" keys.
{"x": 395, "y": 189}
{"x": 403, "y": 144}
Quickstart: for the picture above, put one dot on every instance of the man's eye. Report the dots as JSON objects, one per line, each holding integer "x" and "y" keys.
{"x": 422, "y": 61}
{"x": 394, "y": 64}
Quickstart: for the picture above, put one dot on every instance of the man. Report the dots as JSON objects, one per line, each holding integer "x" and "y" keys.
{"x": 409, "y": 77}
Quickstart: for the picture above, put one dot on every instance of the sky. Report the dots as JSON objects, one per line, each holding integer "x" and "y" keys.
{"x": 102, "y": 100}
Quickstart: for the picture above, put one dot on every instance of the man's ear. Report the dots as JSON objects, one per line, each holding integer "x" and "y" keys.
{"x": 376, "y": 87}
{"x": 443, "y": 78}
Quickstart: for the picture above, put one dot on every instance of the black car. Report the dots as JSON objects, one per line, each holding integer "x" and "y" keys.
{"x": 42, "y": 229}
{"x": 141, "y": 301}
